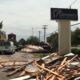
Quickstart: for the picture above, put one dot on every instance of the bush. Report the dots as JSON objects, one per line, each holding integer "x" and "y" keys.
{"x": 76, "y": 51}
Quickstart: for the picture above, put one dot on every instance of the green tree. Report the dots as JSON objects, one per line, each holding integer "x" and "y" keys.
{"x": 22, "y": 41}
{"x": 53, "y": 41}
{"x": 75, "y": 38}
{"x": 33, "y": 40}
{"x": 1, "y": 24}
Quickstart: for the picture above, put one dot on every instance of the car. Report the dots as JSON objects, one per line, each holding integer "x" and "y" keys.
{"x": 7, "y": 47}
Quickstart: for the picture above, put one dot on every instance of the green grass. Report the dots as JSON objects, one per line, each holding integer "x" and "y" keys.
{"x": 40, "y": 55}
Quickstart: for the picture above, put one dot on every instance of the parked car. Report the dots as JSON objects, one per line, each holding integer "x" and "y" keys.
{"x": 7, "y": 47}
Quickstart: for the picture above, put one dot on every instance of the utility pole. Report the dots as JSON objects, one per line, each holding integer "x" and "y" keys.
{"x": 44, "y": 28}
{"x": 39, "y": 35}
{"x": 73, "y": 3}
{"x": 32, "y": 31}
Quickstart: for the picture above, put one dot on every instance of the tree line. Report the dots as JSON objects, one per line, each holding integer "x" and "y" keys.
{"x": 53, "y": 39}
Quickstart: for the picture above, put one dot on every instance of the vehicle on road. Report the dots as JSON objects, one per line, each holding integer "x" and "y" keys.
{"x": 7, "y": 47}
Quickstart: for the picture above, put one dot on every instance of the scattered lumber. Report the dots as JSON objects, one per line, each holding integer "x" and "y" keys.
{"x": 17, "y": 70}
{"x": 60, "y": 68}
{"x": 55, "y": 73}
{"x": 21, "y": 68}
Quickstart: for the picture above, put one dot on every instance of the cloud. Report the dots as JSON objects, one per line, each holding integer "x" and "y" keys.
{"x": 19, "y": 16}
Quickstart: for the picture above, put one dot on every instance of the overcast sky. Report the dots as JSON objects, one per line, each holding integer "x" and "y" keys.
{"x": 19, "y": 16}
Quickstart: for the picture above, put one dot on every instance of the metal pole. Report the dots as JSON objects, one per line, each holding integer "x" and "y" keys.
{"x": 39, "y": 35}
{"x": 32, "y": 32}
{"x": 72, "y": 3}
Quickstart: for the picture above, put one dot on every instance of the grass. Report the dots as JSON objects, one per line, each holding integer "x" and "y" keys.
{"x": 40, "y": 55}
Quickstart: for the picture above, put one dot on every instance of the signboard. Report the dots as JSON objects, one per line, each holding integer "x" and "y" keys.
{"x": 64, "y": 14}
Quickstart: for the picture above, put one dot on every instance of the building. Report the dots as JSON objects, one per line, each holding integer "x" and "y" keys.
{"x": 2, "y": 35}
{"x": 12, "y": 37}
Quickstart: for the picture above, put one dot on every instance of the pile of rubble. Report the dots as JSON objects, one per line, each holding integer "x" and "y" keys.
{"x": 32, "y": 49}
{"x": 51, "y": 67}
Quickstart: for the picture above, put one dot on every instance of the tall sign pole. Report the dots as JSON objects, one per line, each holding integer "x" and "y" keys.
{"x": 64, "y": 37}
{"x": 64, "y": 17}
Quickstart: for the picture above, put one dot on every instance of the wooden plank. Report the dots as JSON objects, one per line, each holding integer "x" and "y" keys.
{"x": 67, "y": 62}
{"x": 17, "y": 70}
{"x": 55, "y": 73}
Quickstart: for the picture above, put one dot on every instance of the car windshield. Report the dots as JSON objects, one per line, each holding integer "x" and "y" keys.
{"x": 6, "y": 43}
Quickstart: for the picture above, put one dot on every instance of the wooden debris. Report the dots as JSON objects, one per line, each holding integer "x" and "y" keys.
{"x": 55, "y": 73}
{"x": 60, "y": 70}
{"x": 17, "y": 70}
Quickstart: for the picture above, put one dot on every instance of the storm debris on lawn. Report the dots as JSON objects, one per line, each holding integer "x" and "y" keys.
{"x": 51, "y": 67}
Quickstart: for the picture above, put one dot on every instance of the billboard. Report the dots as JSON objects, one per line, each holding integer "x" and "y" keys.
{"x": 64, "y": 14}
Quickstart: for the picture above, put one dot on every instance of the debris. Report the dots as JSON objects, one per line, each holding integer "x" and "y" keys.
{"x": 57, "y": 68}
{"x": 70, "y": 54}
{"x": 32, "y": 49}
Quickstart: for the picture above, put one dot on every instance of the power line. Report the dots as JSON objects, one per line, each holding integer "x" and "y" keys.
{"x": 74, "y": 24}
{"x": 72, "y": 3}
{"x": 57, "y": 29}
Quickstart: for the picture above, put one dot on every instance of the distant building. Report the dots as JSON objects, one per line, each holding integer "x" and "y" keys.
{"x": 12, "y": 37}
{"x": 2, "y": 35}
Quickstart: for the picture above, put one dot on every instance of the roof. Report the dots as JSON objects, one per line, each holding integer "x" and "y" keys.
{"x": 11, "y": 34}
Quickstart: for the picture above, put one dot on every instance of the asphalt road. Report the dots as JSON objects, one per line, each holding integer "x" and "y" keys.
{"x": 19, "y": 56}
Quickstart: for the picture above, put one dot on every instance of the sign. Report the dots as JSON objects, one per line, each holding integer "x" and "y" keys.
{"x": 64, "y": 14}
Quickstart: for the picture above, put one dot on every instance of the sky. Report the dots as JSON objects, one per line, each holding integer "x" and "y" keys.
{"x": 21, "y": 16}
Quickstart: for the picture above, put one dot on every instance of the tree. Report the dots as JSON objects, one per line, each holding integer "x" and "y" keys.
{"x": 1, "y": 24}
{"x": 22, "y": 41}
{"x": 53, "y": 41}
{"x": 75, "y": 39}
{"x": 33, "y": 40}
